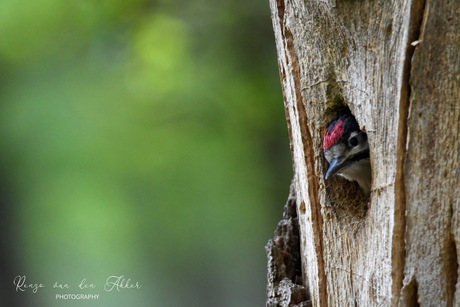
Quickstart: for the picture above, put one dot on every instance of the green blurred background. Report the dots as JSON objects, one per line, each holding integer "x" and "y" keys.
{"x": 144, "y": 139}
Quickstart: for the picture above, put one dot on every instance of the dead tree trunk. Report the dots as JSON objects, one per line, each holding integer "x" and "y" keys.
{"x": 396, "y": 66}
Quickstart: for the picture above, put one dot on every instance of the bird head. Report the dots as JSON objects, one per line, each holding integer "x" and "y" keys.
{"x": 347, "y": 151}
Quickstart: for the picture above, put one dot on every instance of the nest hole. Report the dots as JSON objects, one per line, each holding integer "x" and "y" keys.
{"x": 344, "y": 198}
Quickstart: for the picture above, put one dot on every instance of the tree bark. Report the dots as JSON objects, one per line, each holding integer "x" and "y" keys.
{"x": 396, "y": 66}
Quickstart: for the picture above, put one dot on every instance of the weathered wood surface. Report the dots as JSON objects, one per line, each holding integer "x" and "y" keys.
{"x": 396, "y": 66}
{"x": 432, "y": 168}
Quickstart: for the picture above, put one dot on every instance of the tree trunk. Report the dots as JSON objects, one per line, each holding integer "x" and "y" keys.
{"x": 396, "y": 66}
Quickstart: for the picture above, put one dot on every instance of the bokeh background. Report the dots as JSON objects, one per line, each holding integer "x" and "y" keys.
{"x": 140, "y": 138}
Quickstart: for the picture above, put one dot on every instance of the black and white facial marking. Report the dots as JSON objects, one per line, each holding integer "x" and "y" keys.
{"x": 347, "y": 150}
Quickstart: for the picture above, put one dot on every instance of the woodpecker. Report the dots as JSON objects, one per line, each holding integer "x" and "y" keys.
{"x": 347, "y": 151}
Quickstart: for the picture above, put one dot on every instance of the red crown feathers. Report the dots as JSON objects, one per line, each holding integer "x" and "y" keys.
{"x": 334, "y": 133}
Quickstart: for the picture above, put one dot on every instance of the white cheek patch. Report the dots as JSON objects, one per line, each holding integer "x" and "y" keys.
{"x": 358, "y": 149}
{"x": 363, "y": 144}
{"x": 335, "y": 152}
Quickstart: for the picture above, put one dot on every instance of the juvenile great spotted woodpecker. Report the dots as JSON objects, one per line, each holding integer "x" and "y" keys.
{"x": 347, "y": 151}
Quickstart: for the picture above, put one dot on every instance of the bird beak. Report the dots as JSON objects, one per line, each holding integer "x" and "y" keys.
{"x": 336, "y": 165}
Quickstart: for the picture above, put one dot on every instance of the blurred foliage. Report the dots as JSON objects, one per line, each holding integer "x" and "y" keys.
{"x": 143, "y": 138}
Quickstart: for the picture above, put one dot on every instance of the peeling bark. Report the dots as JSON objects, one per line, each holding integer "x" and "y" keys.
{"x": 285, "y": 286}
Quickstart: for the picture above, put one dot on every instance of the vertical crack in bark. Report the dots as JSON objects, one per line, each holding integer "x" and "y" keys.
{"x": 280, "y": 12}
{"x": 280, "y": 7}
{"x": 411, "y": 294}
{"x": 317, "y": 220}
{"x": 416, "y": 26}
{"x": 451, "y": 262}
{"x": 452, "y": 271}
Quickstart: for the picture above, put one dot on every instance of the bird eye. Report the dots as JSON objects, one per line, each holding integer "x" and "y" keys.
{"x": 353, "y": 141}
